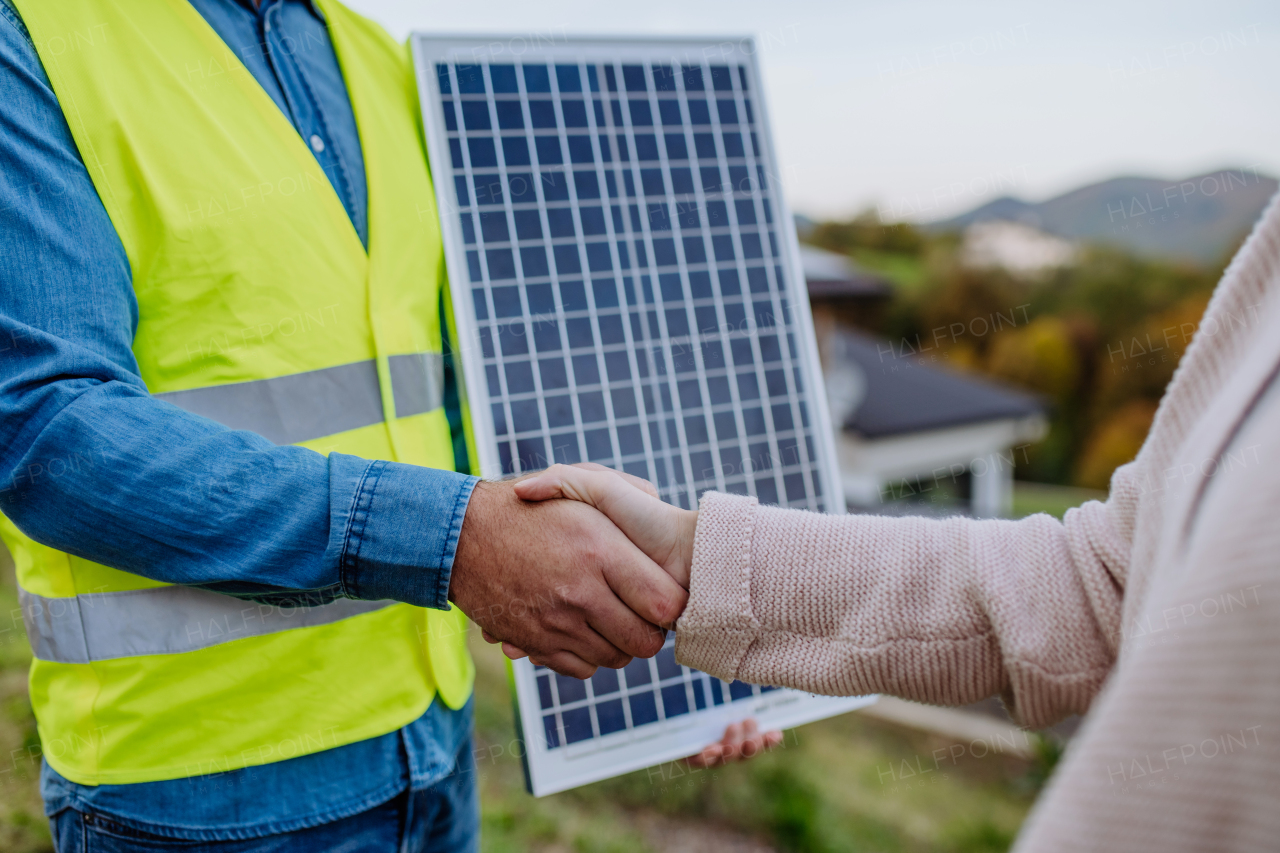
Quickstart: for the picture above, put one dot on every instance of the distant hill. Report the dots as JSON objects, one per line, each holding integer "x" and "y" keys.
{"x": 1198, "y": 218}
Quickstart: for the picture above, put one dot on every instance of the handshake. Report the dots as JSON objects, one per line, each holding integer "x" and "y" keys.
{"x": 579, "y": 567}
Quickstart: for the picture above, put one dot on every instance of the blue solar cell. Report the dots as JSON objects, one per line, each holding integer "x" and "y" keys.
{"x": 546, "y": 336}
{"x": 493, "y": 227}
{"x": 733, "y": 144}
{"x": 577, "y": 725}
{"x": 503, "y": 78}
{"x": 739, "y": 690}
{"x": 555, "y": 186}
{"x": 630, "y": 440}
{"x": 499, "y": 419}
{"x": 633, "y": 77}
{"x": 468, "y": 229}
{"x": 611, "y": 717}
{"x": 693, "y": 81}
{"x": 644, "y": 709}
{"x": 794, "y": 484}
{"x": 525, "y": 416}
{"x": 542, "y": 114}
{"x": 536, "y": 78}
{"x": 695, "y": 251}
{"x": 512, "y": 339}
{"x": 586, "y": 185}
{"x": 455, "y": 154}
{"x": 568, "y": 79}
{"x": 646, "y": 146}
{"x": 470, "y": 79}
{"x": 488, "y": 189}
{"x": 515, "y": 151}
{"x": 501, "y": 264}
{"x": 519, "y": 377}
{"x": 666, "y": 661}
{"x": 533, "y": 260}
{"x": 624, "y": 403}
{"x": 553, "y": 374}
{"x": 700, "y": 288}
{"x": 540, "y": 300}
{"x": 675, "y": 702}
{"x": 552, "y": 730}
{"x": 721, "y": 79}
{"x": 676, "y": 147}
{"x": 450, "y": 117}
{"x": 726, "y": 429}
{"x": 510, "y": 115}
{"x": 442, "y": 75}
{"x": 559, "y": 411}
{"x": 699, "y": 694}
{"x": 580, "y": 149}
{"x": 753, "y": 419}
{"x": 475, "y": 115}
{"x": 641, "y": 114}
{"x": 532, "y": 453}
{"x": 599, "y": 445}
{"x": 544, "y": 692}
{"x": 681, "y": 180}
{"x": 575, "y": 113}
{"x": 699, "y": 112}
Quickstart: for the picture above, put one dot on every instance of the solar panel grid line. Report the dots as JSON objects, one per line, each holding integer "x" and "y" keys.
{"x": 628, "y": 131}
{"x": 556, "y": 296}
{"x": 775, "y": 291}
{"x": 593, "y": 313}
{"x": 517, "y": 256}
{"x": 455, "y": 105}
{"x": 731, "y": 373}
{"x": 752, "y": 331}
{"x": 720, "y": 331}
{"x": 682, "y": 260}
{"x": 633, "y": 355}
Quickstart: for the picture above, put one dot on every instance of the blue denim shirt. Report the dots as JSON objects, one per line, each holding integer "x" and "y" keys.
{"x": 138, "y": 496}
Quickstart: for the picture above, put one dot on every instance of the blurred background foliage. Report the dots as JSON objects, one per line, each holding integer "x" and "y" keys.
{"x": 1098, "y": 338}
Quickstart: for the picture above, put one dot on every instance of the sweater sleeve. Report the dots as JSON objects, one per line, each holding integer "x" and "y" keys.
{"x": 940, "y": 611}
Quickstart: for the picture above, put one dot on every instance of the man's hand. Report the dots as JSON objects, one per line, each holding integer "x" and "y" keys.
{"x": 664, "y": 532}
{"x": 558, "y": 580}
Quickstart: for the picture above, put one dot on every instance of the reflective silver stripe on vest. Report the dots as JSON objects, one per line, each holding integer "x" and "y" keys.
{"x": 303, "y": 406}
{"x": 160, "y": 621}
{"x": 417, "y": 381}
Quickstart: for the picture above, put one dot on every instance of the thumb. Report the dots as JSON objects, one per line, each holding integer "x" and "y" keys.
{"x": 644, "y": 519}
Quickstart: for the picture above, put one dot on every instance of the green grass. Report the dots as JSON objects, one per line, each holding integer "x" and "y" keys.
{"x": 834, "y": 786}
{"x": 1030, "y": 498}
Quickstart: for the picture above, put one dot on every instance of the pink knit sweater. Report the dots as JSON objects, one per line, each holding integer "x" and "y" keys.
{"x": 1157, "y": 612}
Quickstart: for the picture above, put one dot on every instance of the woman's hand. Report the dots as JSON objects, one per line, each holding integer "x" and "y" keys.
{"x": 662, "y": 531}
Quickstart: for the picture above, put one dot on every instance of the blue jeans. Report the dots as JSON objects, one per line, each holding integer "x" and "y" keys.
{"x": 444, "y": 817}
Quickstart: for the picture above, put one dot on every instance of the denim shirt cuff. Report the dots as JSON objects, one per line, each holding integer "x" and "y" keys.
{"x": 395, "y": 528}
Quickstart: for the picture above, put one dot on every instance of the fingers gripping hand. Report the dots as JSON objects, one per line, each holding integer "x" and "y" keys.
{"x": 558, "y": 581}
{"x": 662, "y": 531}
{"x": 741, "y": 741}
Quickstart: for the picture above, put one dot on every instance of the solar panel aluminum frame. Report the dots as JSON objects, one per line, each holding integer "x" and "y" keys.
{"x": 551, "y": 770}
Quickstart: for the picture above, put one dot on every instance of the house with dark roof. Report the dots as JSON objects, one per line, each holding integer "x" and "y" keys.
{"x": 903, "y": 425}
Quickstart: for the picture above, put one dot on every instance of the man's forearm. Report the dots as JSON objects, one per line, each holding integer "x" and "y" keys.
{"x": 120, "y": 478}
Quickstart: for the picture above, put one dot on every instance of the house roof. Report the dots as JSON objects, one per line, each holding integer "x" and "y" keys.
{"x": 898, "y": 395}
{"x": 828, "y": 274}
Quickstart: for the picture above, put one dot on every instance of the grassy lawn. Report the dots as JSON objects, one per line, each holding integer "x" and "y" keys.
{"x": 850, "y": 783}
{"x": 1030, "y": 498}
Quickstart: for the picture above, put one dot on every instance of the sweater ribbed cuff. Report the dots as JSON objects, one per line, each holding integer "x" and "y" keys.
{"x": 719, "y": 623}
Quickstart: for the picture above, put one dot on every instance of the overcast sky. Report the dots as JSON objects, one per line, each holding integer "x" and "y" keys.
{"x": 927, "y": 108}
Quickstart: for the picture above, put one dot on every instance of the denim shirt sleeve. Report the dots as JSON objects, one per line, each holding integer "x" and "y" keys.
{"x": 91, "y": 464}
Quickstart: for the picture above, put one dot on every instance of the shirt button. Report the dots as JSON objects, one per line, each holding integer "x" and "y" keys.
{"x": 317, "y": 144}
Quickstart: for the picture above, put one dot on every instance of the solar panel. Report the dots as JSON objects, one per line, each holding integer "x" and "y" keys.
{"x": 627, "y": 290}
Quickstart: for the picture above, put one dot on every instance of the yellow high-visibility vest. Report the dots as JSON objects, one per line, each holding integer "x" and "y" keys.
{"x": 259, "y": 307}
